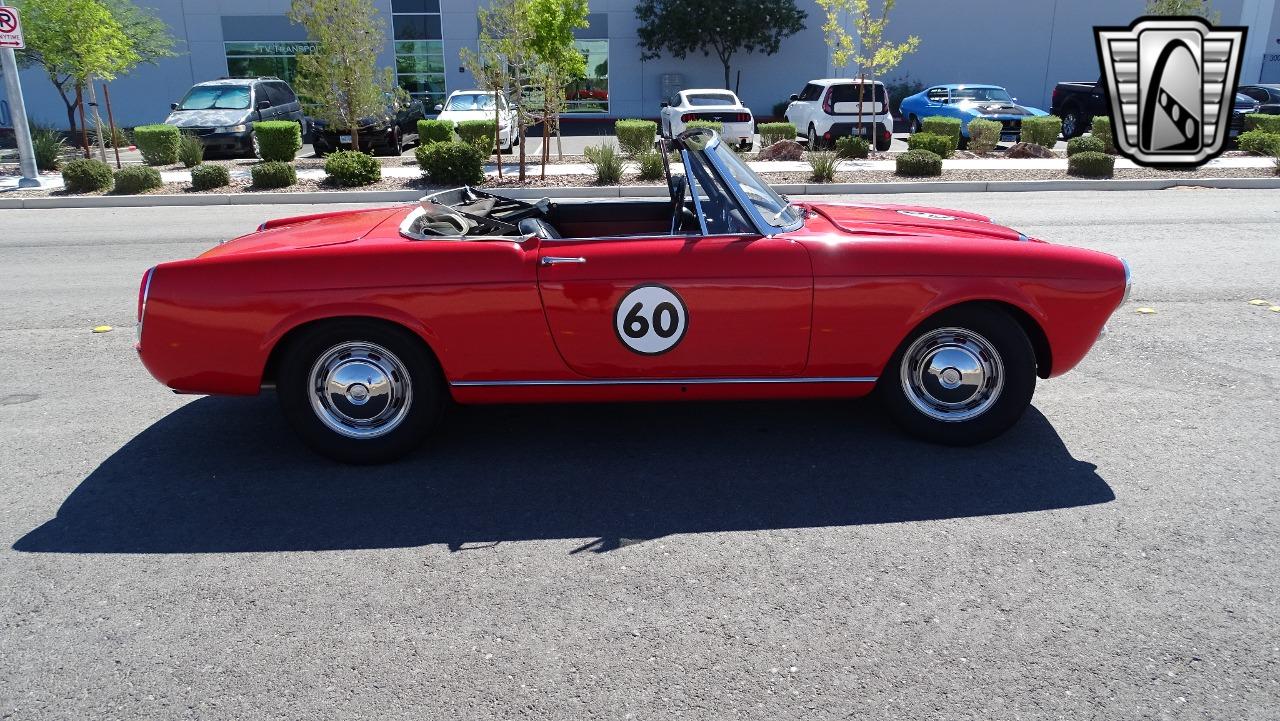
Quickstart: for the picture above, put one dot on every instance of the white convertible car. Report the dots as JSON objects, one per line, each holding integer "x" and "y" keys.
{"x": 721, "y": 106}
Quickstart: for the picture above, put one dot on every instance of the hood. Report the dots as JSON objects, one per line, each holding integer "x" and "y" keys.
{"x": 997, "y": 108}
{"x": 207, "y": 118}
{"x": 305, "y": 231}
{"x": 911, "y": 220}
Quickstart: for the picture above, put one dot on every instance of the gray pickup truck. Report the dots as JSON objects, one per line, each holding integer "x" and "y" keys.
{"x": 1076, "y": 103}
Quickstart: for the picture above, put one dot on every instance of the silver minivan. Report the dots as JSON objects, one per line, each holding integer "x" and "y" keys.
{"x": 222, "y": 112}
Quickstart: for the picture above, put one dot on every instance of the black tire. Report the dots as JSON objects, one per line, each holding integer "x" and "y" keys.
{"x": 814, "y": 142}
{"x": 1073, "y": 123}
{"x": 1017, "y": 363}
{"x": 423, "y": 404}
{"x": 913, "y": 125}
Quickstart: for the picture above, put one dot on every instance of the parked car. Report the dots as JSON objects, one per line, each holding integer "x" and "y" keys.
{"x": 478, "y": 105}
{"x": 222, "y": 112}
{"x": 1241, "y": 108}
{"x": 1077, "y": 103}
{"x": 721, "y": 106}
{"x": 828, "y": 109}
{"x": 365, "y": 322}
{"x": 1267, "y": 96}
{"x": 966, "y": 102}
{"x": 385, "y": 134}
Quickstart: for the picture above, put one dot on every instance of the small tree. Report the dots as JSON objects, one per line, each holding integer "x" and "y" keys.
{"x": 556, "y": 60}
{"x": 341, "y": 75}
{"x": 504, "y": 62}
{"x": 725, "y": 27}
{"x": 873, "y": 54}
{"x": 1182, "y": 7}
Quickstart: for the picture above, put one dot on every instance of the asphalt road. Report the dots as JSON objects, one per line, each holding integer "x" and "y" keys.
{"x": 1112, "y": 557}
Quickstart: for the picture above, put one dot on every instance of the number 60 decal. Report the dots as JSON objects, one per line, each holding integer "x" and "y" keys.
{"x": 650, "y": 319}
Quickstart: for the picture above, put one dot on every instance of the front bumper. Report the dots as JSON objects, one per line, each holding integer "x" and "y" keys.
{"x": 225, "y": 142}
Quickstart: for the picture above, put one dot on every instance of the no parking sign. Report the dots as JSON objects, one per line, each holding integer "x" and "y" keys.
{"x": 10, "y": 29}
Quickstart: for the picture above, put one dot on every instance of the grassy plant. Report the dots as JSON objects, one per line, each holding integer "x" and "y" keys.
{"x": 607, "y": 163}
{"x": 822, "y": 165}
{"x": 190, "y": 151}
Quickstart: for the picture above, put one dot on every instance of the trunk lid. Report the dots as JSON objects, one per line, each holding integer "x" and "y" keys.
{"x": 305, "y": 231}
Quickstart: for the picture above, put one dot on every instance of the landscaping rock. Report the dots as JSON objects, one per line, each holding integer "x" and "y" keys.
{"x": 782, "y": 150}
{"x": 1028, "y": 150}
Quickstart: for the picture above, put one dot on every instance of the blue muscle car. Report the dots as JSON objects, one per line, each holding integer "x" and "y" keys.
{"x": 966, "y": 102}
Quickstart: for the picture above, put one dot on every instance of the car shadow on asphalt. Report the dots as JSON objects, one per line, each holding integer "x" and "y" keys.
{"x": 226, "y": 475}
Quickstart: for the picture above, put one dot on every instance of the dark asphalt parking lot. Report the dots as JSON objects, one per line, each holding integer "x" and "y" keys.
{"x": 1112, "y": 557}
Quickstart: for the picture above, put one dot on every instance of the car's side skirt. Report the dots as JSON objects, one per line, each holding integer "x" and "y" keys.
{"x": 658, "y": 389}
{"x": 658, "y": 381}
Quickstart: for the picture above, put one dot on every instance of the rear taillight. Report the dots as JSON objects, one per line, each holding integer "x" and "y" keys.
{"x": 144, "y": 290}
{"x": 744, "y": 117}
{"x": 828, "y": 104}
{"x": 688, "y": 117}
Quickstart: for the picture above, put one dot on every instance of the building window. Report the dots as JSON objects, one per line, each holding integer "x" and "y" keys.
{"x": 254, "y": 59}
{"x": 419, "y": 45}
{"x": 591, "y": 93}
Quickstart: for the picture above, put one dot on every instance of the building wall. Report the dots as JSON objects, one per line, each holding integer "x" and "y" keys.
{"x": 1026, "y": 46}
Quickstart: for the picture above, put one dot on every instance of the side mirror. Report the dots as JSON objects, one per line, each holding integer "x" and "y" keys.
{"x": 665, "y": 104}
{"x": 264, "y": 104}
{"x": 794, "y": 97}
{"x": 439, "y": 107}
{"x": 1015, "y": 100}
{"x": 173, "y": 106}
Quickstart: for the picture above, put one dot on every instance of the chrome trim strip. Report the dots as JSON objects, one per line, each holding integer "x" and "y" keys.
{"x": 661, "y": 381}
{"x": 1128, "y": 280}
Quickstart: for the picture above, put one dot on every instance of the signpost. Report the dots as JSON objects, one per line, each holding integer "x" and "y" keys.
{"x": 11, "y": 38}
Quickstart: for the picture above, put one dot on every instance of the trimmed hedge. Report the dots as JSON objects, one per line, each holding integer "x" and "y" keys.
{"x": 134, "y": 179}
{"x": 278, "y": 140}
{"x": 713, "y": 125}
{"x": 1043, "y": 131}
{"x": 158, "y": 143}
{"x": 942, "y": 125}
{"x": 190, "y": 151}
{"x": 451, "y": 163}
{"x": 771, "y": 133}
{"x": 273, "y": 174}
{"x": 84, "y": 175}
{"x": 1101, "y": 128}
{"x": 1085, "y": 144}
{"x": 434, "y": 131}
{"x": 919, "y": 163}
{"x": 1259, "y": 121}
{"x": 849, "y": 146}
{"x": 1091, "y": 164}
{"x": 350, "y": 168}
{"x": 208, "y": 177}
{"x": 635, "y": 137}
{"x": 941, "y": 145}
{"x": 650, "y": 165}
{"x": 1260, "y": 142}
{"x": 984, "y": 135}
{"x": 479, "y": 133}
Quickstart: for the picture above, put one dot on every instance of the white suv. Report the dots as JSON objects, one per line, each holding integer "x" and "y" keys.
{"x": 828, "y": 109}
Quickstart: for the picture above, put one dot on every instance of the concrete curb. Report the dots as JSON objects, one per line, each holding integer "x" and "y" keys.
{"x": 629, "y": 191}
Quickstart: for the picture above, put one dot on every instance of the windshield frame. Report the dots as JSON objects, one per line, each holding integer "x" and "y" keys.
{"x": 718, "y": 158}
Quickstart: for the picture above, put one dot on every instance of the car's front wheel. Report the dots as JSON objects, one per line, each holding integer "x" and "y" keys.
{"x": 964, "y": 376}
{"x": 360, "y": 392}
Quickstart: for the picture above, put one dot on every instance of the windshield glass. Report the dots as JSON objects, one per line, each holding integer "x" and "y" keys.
{"x": 981, "y": 95}
{"x": 711, "y": 99}
{"x": 470, "y": 101}
{"x": 776, "y": 211}
{"x": 216, "y": 97}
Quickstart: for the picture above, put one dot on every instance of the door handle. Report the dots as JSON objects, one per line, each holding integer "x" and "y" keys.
{"x": 553, "y": 260}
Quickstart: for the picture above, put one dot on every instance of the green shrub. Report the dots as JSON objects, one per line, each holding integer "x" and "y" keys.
{"x": 650, "y": 165}
{"x": 273, "y": 174}
{"x": 117, "y": 139}
{"x": 941, "y": 125}
{"x": 134, "y": 179}
{"x": 711, "y": 124}
{"x": 1260, "y": 142}
{"x": 278, "y": 140}
{"x": 84, "y": 175}
{"x": 919, "y": 163}
{"x": 1260, "y": 121}
{"x": 479, "y": 133}
{"x": 1042, "y": 131}
{"x": 635, "y": 136}
{"x": 822, "y": 165}
{"x": 1101, "y": 129}
{"x": 1091, "y": 164}
{"x": 349, "y": 168}
{"x": 434, "y": 131}
{"x": 984, "y": 135}
{"x": 849, "y": 146}
{"x": 1085, "y": 144}
{"x": 607, "y": 163}
{"x": 158, "y": 143}
{"x": 451, "y": 163}
{"x": 771, "y": 133}
{"x": 941, "y": 145}
{"x": 190, "y": 151}
{"x": 207, "y": 177}
{"x": 48, "y": 146}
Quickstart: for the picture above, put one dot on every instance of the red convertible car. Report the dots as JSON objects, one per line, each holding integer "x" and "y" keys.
{"x": 368, "y": 322}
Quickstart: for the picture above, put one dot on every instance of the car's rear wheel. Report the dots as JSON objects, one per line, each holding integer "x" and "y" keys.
{"x": 360, "y": 392}
{"x": 813, "y": 137}
{"x": 1072, "y": 124}
{"x": 963, "y": 377}
{"x": 913, "y": 125}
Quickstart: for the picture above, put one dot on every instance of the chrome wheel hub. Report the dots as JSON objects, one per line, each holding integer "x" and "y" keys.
{"x": 360, "y": 390}
{"x": 952, "y": 374}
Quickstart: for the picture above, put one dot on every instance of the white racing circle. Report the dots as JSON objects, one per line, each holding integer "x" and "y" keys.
{"x": 651, "y": 319}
